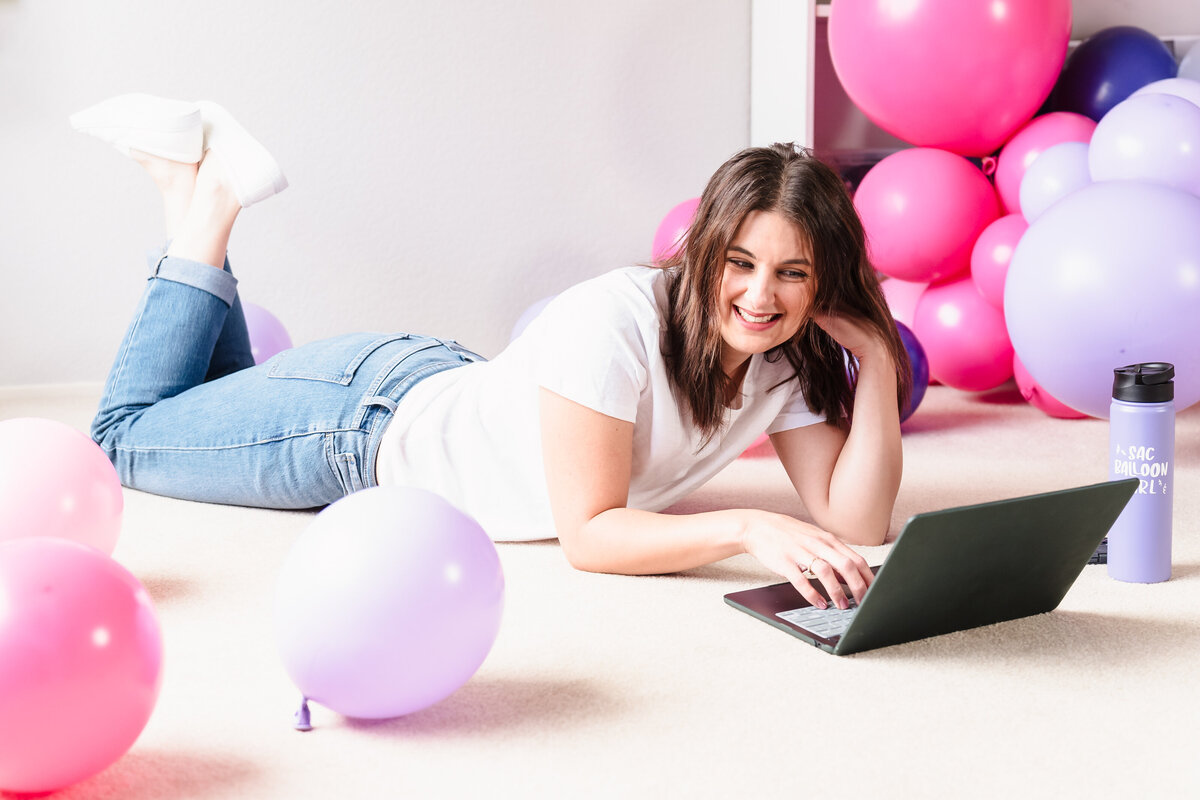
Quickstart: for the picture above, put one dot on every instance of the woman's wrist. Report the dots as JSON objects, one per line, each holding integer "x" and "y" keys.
{"x": 744, "y": 519}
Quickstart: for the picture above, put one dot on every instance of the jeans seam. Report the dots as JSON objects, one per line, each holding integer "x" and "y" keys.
{"x": 348, "y": 373}
{"x": 120, "y": 368}
{"x": 163, "y": 449}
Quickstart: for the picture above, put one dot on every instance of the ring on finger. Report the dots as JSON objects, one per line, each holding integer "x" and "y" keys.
{"x": 808, "y": 571}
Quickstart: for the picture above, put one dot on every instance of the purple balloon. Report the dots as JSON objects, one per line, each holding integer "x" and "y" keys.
{"x": 920, "y": 369}
{"x": 1151, "y": 137}
{"x": 387, "y": 603}
{"x": 267, "y": 334}
{"x": 1108, "y": 67}
{"x": 1108, "y": 276}
{"x": 1054, "y": 174}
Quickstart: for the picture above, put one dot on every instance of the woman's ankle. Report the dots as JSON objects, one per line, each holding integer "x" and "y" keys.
{"x": 203, "y": 232}
{"x": 176, "y": 181}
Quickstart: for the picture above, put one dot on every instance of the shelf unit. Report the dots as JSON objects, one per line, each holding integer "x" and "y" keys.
{"x": 795, "y": 94}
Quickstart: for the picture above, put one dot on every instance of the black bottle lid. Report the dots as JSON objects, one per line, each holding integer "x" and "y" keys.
{"x": 1144, "y": 383}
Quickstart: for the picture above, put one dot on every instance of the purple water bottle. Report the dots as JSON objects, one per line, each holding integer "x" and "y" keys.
{"x": 1141, "y": 443}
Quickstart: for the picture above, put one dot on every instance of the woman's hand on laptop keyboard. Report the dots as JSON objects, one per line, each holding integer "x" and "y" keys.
{"x": 792, "y": 548}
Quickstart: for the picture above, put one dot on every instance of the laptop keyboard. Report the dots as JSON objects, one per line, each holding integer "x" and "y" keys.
{"x": 828, "y": 623}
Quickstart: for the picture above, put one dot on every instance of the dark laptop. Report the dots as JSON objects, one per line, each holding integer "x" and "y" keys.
{"x": 956, "y": 569}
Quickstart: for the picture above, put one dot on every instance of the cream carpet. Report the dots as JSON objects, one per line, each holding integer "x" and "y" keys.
{"x": 614, "y": 686}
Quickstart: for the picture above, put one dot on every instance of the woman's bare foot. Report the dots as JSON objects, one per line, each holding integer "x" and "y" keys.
{"x": 175, "y": 180}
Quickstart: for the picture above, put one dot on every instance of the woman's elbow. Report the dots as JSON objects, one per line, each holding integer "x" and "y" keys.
{"x": 574, "y": 550}
{"x": 861, "y": 532}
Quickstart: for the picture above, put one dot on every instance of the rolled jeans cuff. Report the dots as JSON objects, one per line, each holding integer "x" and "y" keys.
{"x": 205, "y": 277}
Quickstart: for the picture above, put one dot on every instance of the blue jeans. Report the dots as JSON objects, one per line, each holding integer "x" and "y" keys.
{"x": 186, "y": 413}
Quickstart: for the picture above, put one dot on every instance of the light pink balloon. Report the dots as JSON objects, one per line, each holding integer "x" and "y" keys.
{"x": 80, "y": 662}
{"x": 964, "y": 337}
{"x": 1038, "y": 397}
{"x": 902, "y": 297}
{"x": 55, "y": 481}
{"x": 922, "y": 210}
{"x": 958, "y": 75}
{"x": 1028, "y": 143}
{"x": 992, "y": 253}
{"x": 672, "y": 231}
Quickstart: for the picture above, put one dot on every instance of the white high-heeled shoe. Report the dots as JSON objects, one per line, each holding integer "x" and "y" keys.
{"x": 170, "y": 129}
{"x": 254, "y": 172}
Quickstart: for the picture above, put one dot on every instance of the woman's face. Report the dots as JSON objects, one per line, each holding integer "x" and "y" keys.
{"x": 767, "y": 287}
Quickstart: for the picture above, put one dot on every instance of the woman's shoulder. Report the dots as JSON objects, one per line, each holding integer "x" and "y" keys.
{"x": 636, "y": 289}
{"x": 639, "y": 280}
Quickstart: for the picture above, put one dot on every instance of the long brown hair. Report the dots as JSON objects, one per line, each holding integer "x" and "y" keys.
{"x": 791, "y": 182}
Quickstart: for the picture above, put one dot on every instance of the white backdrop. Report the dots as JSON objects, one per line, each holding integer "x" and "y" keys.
{"x": 450, "y": 162}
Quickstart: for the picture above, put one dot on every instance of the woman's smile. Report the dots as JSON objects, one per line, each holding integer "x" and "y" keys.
{"x": 759, "y": 321}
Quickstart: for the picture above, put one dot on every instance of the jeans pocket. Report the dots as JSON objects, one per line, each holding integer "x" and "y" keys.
{"x": 346, "y": 467}
{"x": 333, "y": 360}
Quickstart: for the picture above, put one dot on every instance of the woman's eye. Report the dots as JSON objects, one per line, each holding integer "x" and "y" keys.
{"x": 737, "y": 262}
{"x": 794, "y": 274}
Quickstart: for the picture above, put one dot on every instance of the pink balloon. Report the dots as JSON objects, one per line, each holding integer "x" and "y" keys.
{"x": 902, "y": 298}
{"x": 55, "y": 481}
{"x": 1028, "y": 143}
{"x": 962, "y": 76}
{"x": 80, "y": 663}
{"x": 1038, "y": 397}
{"x": 992, "y": 253}
{"x": 672, "y": 231}
{"x": 922, "y": 210}
{"x": 759, "y": 447}
{"x": 388, "y": 602}
{"x": 267, "y": 334}
{"x": 964, "y": 337}
{"x": 1059, "y": 170}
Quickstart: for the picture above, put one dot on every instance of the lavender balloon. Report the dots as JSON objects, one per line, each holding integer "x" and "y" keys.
{"x": 1180, "y": 87}
{"x": 1150, "y": 137}
{"x": 387, "y": 603}
{"x": 528, "y": 316}
{"x": 267, "y": 334}
{"x": 1108, "y": 276}
{"x": 1054, "y": 174}
{"x": 1189, "y": 65}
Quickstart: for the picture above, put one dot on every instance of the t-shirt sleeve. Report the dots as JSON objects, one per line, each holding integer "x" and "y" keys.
{"x": 795, "y": 412}
{"x": 591, "y": 350}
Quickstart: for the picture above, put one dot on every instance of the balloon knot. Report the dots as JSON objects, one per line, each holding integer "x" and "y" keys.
{"x": 302, "y": 720}
{"x": 988, "y": 164}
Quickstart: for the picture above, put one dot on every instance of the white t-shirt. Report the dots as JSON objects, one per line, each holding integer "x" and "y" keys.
{"x": 472, "y": 434}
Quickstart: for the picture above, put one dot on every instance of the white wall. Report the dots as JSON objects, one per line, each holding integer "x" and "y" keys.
{"x": 450, "y": 162}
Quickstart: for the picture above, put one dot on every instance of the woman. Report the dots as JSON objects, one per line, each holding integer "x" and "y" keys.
{"x": 626, "y": 393}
